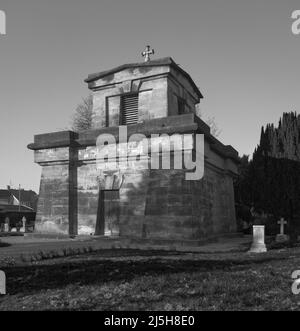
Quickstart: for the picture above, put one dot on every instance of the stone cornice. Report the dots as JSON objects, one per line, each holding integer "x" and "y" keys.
{"x": 188, "y": 123}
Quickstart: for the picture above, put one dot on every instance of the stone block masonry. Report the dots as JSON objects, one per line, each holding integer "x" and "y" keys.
{"x": 79, "y": 197}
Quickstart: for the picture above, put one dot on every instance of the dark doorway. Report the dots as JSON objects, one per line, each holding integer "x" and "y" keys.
{"x": 108, "y": 216}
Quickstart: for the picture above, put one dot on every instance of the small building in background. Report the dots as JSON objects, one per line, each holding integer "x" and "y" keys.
{"x": 15, "y": 205}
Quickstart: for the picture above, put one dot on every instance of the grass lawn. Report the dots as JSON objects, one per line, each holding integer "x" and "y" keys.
{"x": 135, "y": 280}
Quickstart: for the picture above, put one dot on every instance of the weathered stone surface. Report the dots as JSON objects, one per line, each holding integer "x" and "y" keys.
{"x": 53, "y": 204}
{"x": 258, "y": 244}
{"x": 160, "y": 85}
{"x": 153, "y": 204}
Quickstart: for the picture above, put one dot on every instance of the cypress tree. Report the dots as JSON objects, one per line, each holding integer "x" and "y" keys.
{"x": 271, "y": 181}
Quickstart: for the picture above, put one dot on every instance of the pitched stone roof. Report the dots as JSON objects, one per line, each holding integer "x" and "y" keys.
{"x": 154, "y": 63}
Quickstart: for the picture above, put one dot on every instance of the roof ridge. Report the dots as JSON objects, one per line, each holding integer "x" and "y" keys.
{"x": 161, "y": 61}
{"x": 158, "y": 62}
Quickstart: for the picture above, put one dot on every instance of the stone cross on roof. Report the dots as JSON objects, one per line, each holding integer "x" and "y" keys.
{"x": 146, "y": 54}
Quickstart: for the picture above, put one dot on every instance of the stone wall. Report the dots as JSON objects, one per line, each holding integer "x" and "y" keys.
{"x": 162, "y": 204}
{"x": 53, "y": 204}
{"x": 153, "y": 203}
{"x": 152, "y": 96}
{"x": 159, "y": 89}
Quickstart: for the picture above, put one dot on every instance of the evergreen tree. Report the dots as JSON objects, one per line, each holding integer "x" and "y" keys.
{"x": 271, "y": 181}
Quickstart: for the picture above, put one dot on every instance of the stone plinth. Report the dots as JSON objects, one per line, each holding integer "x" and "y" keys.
{"x": 281, "y": 238}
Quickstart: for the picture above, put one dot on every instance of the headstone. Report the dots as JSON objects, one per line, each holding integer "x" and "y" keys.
{"x": 23, "y": 229}
{"x": 6, "y": 225}
{"x": 258, "y": 244}
{"x": 2, "y": 283}
{"x": 282, "y": 237}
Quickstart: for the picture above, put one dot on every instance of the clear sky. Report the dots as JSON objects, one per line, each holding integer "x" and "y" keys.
{"x": 242, "y": 55}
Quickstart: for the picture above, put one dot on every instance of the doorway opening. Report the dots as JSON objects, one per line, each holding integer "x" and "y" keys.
{"x": 108, "y": 216}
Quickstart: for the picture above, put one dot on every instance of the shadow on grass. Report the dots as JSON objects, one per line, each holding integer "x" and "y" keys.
{"x": 11, "y": 234}
{"x": 4, "y": 245}
{"x": 34, "y": 278}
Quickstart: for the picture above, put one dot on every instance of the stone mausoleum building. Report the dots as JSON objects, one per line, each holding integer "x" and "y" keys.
{"x": 79, "y": 196}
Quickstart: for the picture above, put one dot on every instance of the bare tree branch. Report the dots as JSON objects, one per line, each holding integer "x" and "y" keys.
{"x": 214, "y": 128}
{"x": 83, "y": 118}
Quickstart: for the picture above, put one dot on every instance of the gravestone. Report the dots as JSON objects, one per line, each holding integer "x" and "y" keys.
{"x": 258, "y": 244}
{"x": 23, "y": 229}
{"x": 2, "y": 283}
{"x": 6, "y": 225}
{"x": 282, "y": 237}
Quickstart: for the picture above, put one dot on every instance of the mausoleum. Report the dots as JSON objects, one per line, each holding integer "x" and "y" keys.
{"x": 81, "y": 193}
